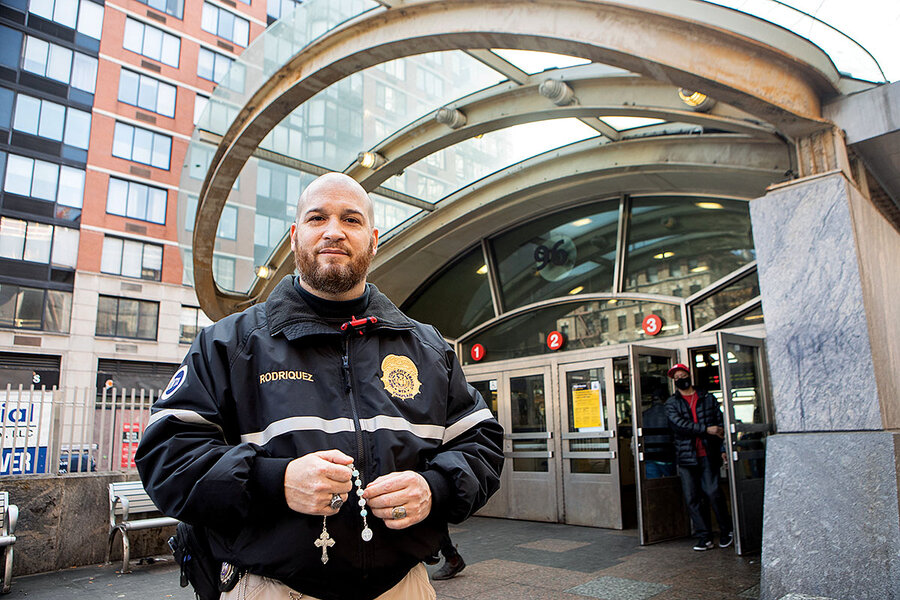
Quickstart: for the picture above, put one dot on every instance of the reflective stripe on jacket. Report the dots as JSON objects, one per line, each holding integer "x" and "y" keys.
{"x": 276, "y": 382}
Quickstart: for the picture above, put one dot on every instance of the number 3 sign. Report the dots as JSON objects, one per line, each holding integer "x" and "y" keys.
{"x": 652, "y": 324}
{"x": 555, "y": 340}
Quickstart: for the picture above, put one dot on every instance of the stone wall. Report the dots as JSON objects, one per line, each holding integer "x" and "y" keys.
{"x": 64, "y": 522}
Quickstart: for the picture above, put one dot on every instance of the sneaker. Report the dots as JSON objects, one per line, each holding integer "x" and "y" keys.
{"x": 726, "y": 539}
{"x": 449, "y": 569}
{"x": 703, "y": 544}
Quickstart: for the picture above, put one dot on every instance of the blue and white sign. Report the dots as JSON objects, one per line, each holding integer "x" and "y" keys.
{"x": 25, "y": 423}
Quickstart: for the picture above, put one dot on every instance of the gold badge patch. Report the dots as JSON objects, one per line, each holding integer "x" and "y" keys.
{"x": 400, "y": 377}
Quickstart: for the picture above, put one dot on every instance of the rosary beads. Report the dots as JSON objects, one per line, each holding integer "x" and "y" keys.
{"x": 366, "y": 532}
{"x": 325, "y": 541}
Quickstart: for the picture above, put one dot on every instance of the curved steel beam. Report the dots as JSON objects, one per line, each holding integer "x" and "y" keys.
{"x": 722, "y": 166}
{"x": 757, "y": 78}
{"x": 507, "y": 104}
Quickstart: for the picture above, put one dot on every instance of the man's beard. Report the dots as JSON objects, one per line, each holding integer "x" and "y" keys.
{"x": 333, "y": 278}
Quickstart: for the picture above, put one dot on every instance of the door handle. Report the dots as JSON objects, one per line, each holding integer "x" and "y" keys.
{"x": 640, "y": 457}
{"x": 734, "y": 455}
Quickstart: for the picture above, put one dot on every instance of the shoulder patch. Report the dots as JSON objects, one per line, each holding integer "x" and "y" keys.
{"x": 176, "y": 382}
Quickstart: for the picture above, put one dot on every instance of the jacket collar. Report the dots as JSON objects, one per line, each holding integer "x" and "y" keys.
{"x": 288, "y": 313}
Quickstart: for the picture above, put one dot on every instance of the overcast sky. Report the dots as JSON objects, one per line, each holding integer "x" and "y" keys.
{"x": 875, "y": 24}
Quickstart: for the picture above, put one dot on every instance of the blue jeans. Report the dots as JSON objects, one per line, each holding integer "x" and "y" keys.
{"x": 699, "y": 481}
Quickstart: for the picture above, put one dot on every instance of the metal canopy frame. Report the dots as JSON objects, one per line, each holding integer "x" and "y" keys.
{"x": 740, "y": 61}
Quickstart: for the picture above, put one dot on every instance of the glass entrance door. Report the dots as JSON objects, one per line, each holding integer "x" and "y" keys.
{"x": 661, "y": 510}
{"x": 489, "y": 388}
{"x": 748, "y": 421}
{"x": 529, "y": 445}
{"x": 590, "y": 465}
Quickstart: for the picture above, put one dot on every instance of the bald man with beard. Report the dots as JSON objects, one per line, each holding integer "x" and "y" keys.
{"x": 322, "y": 440}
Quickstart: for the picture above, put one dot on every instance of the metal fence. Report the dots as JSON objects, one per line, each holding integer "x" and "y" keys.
{"x": 72, "y": 430}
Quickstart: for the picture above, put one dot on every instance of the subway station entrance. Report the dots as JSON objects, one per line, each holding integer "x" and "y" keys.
{"x": 587, "y": 441}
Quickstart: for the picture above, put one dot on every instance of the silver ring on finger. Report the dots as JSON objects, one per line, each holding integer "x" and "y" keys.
{"x": 398, "y": 512}
{"x": 336, "y": 502}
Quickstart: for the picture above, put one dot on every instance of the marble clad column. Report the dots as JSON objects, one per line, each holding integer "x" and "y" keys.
{"x": 829, "y": 273}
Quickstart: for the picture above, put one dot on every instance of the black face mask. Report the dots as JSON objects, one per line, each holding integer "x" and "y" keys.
{"x": 683, "y": 384}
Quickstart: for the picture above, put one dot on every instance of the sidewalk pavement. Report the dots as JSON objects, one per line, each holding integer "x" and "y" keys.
{"x": 506, "y": 560}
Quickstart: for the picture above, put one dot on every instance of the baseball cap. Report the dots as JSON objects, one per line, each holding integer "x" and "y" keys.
{"x": 678, "y": 367}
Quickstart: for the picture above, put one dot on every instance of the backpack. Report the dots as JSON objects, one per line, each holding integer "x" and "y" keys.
{"x": 205, "y": 574}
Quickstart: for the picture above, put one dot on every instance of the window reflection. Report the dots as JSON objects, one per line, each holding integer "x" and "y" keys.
{"x": 585, "y": 325}
{"x": 726, "y": 299}
{"x": 678, "y": 246}
{"x": 458, "y": 300}
{"x": 568, "y": 253}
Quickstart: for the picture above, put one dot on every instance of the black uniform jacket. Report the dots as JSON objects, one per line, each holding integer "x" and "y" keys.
{"x": 686, "y": 431}
{"x": 275, "y": 382}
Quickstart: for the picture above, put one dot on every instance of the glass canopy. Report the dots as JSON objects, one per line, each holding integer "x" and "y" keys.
{"x": 356, "y": 114}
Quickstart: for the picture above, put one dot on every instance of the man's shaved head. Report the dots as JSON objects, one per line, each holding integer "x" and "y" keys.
{"x": 336, "y": 183}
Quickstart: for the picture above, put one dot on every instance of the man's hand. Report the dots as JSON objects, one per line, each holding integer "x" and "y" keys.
{"x": 716, "y": 431}
{"x": 310, "y": 481}
{"x": 406, "y": 489}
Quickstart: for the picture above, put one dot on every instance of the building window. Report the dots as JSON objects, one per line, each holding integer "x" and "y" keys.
{"x": 55, "y": 62}
{"x": 212, "y": 65}
{"x": 275, "y": 9}
{"x": 11, "y": 41}
{"x": 136, "y": 201}
{"x": 227, "y": 223}
{"x": 390, "y": 99}
{"x": 187, "y": 264}
{"x": 130, "y": 258}
{"x": 170, "y": 7}
{"x": 44, "y": 181}
{"x": 428, "y": 82}
{"x": 152, "y": 42}
{"x": 52, "y": 121}
{"x": 33, "y": 308}
{"x": 147, "y": 93}
{"x": 85, "y": 16}
{"x": 142, "y": 146}
{"x": 124, "y": 317}
{"x": 225, "y": 24}
{"x": 620, "y": 321}
{"x": 192, "y": 321}
{"x": 38, "y": 242}
{"x": 223, "y": 271}
{"x": 200, "y": 102}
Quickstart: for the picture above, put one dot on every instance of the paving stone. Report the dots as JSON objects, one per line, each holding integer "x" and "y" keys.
{"x": 553, "y": 545}
{"x": 616, "y": 588}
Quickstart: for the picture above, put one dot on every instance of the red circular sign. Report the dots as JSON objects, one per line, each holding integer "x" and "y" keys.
{"x": 477, "y": 352}
{"x": 652, "y": 324}
{"x": 555, "y": 340}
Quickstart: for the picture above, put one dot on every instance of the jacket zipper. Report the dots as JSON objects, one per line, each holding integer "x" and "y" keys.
{"x": 360, "y": 449}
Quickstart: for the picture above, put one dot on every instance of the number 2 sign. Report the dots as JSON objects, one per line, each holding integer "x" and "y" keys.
{"x": 555, "y": 340}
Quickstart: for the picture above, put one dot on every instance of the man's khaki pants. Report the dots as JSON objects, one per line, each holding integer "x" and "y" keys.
{"x": 415, "y": 586}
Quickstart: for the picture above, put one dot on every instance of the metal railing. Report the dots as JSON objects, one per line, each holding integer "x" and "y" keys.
{"x": 71, "y": 430}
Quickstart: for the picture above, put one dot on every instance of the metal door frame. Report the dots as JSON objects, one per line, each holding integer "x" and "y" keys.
{"x": 723, "y": 338}
{"x": 634, "y": 351}
{"x": 552, "y": 454}
{"x": 562, "y": 368}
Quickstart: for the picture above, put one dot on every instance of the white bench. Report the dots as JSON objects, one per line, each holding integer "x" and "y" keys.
{"x": 127, "y": 498}
{"x": 9, "y": 514}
